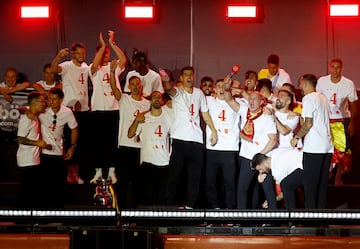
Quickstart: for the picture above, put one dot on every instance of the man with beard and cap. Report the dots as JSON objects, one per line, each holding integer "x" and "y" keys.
{"x": 153, "y": 129}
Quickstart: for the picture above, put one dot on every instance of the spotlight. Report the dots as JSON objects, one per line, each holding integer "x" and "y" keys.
{"x": 35, "y": 12}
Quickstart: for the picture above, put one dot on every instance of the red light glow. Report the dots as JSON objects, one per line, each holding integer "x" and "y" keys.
{"x": 235, "y": 11}
{"x": 146, "y": 12}
{"x": 35, "y": 12}
{"x": 339, "y": 10}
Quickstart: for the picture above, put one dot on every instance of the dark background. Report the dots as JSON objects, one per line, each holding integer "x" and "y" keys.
{"x": 193, "y": 32}
{"x": 189, "y": 32}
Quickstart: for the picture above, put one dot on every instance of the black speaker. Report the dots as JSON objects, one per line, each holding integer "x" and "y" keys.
{"x": 96, "y": 239}
{"x": 139, "y": 239}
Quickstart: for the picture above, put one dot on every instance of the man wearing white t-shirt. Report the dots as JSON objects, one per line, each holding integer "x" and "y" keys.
{"x": 286, "y": 120}
{"x": 258, "y": 135}
{"x": 277, "y": 75}
{"x": 28, "y": 154}
{"x": 342, "y": 98}
{"x": 48, "y": 82}
{"x": 128, "y": 148}
{"x": 187, "y": 138}
{"x": 74, "y": 74}
{"x": 318, "y": 146}
{"x": 285, "y": 166}
{"x": 221, "y": 157}
{"x": 153, "y": 129}
{"x": 53, "y": 122}
{"x": 150, "y": 79}
{"x": 105, "y": 109}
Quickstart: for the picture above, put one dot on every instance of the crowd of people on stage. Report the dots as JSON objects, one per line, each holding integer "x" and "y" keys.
{"x": 227, "y": 144}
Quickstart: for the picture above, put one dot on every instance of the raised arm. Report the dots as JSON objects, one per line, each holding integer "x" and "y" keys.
{"x": 119, "y": 53}
{"x": 228, "y": 96}
{"x": 114, "y": 88}
{"x": 55, "y": 62}
{"x": 98, "y": 56}
{"x": 168, "y": 87}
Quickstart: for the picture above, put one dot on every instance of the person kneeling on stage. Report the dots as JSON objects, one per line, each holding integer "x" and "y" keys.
{"x": 285, "y": 166}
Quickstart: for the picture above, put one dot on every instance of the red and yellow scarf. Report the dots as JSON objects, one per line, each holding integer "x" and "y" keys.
{"x": 248, "y": 130}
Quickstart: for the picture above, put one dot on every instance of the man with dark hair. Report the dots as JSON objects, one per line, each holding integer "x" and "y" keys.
{"x": 74, "y": 74}
{"x": 153, "y": 130}
{"x": 273, "y": 72}
{"x": 264, "y": 87}
{"x": 28, "y": 154}
{"x": 187, "y": 138}
{"x": 318, "y": 146}
{"x": 285, "y": 166}
{"x": 53, "y": 122}
{"x": 150, "y": 79}
{"x": 130, "y": 105}
{"x": 342, "y": 98}
{"x": 48, "y": 81}
{"x": 207, "y": 85}
{"x": 105, "y": 109}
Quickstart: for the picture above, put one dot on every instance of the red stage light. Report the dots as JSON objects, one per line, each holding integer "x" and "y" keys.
{"x": 241, "y": 11}
{"x": 146, "y": 12}
{"x": 344, "y": 10}
{"x": 35, "y": 12}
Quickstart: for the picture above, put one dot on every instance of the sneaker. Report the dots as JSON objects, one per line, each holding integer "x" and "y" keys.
{"x": 188, "y": 208}
{"x": 80, "y": 181}
{"x": 112, "y": 179}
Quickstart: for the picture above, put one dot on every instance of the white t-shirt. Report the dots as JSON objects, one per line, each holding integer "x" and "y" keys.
{"x": 53, "y": 133}
{"x": 318, "y": 139}
{"x": 277, "y": 80}
{"x": 45, "y": 85}
{"x": 103, "y": 98}
{"x": 284, "y": 161}
{"x": 292, "y": 122}
{"x": 75, "y": 84}
{"x": 150, "y": 81}
{"x": 336, "y": 94}
{"x": 187, "y": 107}
{"x": 28, "y": 155}
{"x": 226, "y": 123}
{"x": 128, "y": 109}
{"x": 263, "y": 126}
{"x": 155, "y": 138}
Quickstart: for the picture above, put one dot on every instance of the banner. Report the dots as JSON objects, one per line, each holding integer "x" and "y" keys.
{"x": 9, "y": 114}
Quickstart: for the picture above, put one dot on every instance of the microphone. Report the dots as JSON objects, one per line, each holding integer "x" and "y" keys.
{"x": 234, "y": 70}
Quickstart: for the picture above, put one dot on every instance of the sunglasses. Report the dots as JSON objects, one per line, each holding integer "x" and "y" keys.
{"x": 54, "y": 121}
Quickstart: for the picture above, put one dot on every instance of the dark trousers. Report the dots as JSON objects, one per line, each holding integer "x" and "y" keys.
{"x": 223, "y": 162}
{"x": 127, "y": 170}
{"x": 315, "y": 179}
{"x": 246, "y": 184}
{"x": 31, "y": 189}
{"x": 289, "y": 186}
{"x": 103, "y": 145}
{"x": 248, "y": 187}
{"x": 82, "y": 147}
{"x": 186, "y": 157}
{"x": 53, "y": 177}
{"x": 153, "y": 181}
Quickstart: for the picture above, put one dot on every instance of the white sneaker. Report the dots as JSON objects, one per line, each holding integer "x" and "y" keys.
{"x": 98, "y": 175}
{"x": 112, "y": 179}
{"x": 80, "y": 181}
